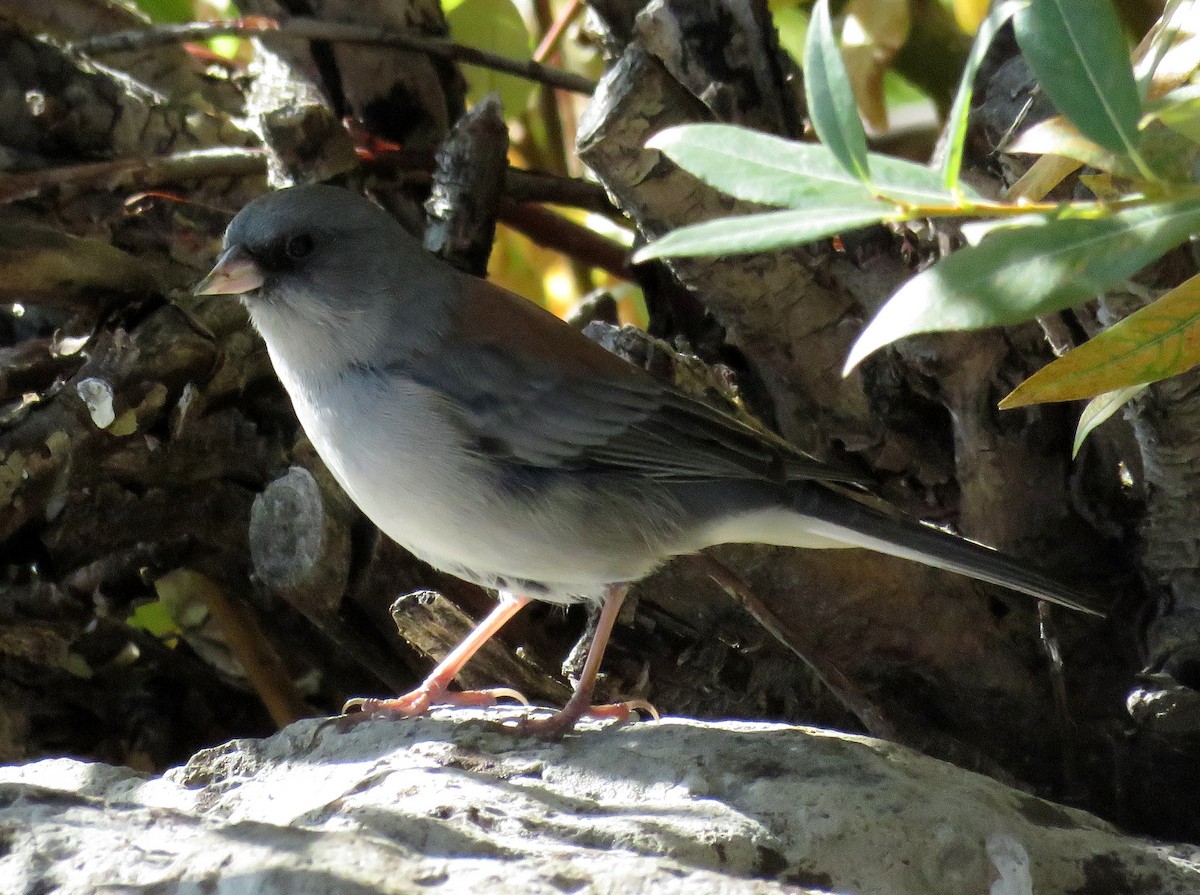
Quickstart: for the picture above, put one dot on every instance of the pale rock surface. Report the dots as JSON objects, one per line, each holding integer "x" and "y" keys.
{"x": 447, "y": 804}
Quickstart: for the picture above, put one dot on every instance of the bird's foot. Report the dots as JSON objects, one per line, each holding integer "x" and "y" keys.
{"x": 422, "y": 699}
{"x": 557, "y": 725}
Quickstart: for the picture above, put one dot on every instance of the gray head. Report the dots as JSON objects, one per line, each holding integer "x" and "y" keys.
{"x": 324, "y": 272}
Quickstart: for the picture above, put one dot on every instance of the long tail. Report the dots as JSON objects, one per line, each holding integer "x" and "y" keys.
{"x": 843, "y": 519}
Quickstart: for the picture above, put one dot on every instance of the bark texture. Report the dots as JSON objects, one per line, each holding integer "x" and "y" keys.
{"x": 178, "y": 568}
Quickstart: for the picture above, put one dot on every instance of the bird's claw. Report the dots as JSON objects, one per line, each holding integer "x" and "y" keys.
{"x": 421, "y": 700}
{"x": 560, "y": 723}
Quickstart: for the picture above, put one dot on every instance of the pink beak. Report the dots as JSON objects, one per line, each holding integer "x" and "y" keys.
{"x": 235, "y": 274}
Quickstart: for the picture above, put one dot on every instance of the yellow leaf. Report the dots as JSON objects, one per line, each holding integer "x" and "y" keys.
{"x": 1102, "y": 186}
{"x": 874, "y": 31}
{"x": 1160, "y": 340}
{"x": 1043, "y": 176}
{"x": 521, "y": 266}
{"x": 970, "y": 13}
{"x": 1058, "y": 136}
{"x": 125, "y": 424}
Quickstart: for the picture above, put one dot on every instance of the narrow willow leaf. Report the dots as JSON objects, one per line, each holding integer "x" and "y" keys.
{"x": 761, "y": 168}
{"x": 1103, "y": 186}
{"x": 1058, "y": 136}
{"x": 1157, "y": 341}
{"x": 951, "y": 150}
{"x": 1178, "y": 110}
{"x": 1078, "y": 53}
{"x": 1043, "y": 176}
{"x": 1014, "y": 275}
{"x": 1100, "y": 409}
{"x": 830, "y": 99}
{"x": 1171, "y": 154}
{"x": 763, "y": 232}
{"x": 1166, "y": 57}
{"x": 976, "y": 231}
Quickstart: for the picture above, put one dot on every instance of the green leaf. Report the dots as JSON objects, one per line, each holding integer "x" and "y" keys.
{"x": 1014, "y": 275}
{"x": 1157, "y": 341}
{"x": 830, "y": 99}
{"x": 762, "y": 168}
{"x": 1179, "y": 110}
{"x": 494, "y": 25}
{"x": 155, "y": 618}
{"x": 763, "y": 232}
{"x": 1078, "y": 53}
{"x": 1099, "y": 409}
{"x": 975, "y": 232}
{"x": 792, "y": 26}
{"x": 167, "y": 10}
{"x": 956, "y": 125}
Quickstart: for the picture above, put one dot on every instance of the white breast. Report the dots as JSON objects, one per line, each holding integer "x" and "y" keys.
{"x": 400, "y": 456}
{"x": 394, "y": 453}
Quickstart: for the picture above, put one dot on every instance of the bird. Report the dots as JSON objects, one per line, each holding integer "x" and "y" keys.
{"x": 499, "y": 444}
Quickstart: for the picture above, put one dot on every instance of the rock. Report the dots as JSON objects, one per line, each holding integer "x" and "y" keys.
{"x": 448, "y": 803}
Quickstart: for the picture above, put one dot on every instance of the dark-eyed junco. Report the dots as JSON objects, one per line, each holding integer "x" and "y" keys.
{"x": 500, "y": 445}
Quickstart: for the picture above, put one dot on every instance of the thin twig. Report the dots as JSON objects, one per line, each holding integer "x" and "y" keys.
{"x": 250, "y": 645}
{"x": 1057, "y": 333}
{"x": 554, "y": 34}
{"x": 523, "y": 185}
{"x": 520, "y": 184}
{"x": 1062, "y": 716}
{"x": 552, "y": 104}
{"x": 302, "y": 28}
{"x": 555, "y": 141}
{"x": 832, "y": 677}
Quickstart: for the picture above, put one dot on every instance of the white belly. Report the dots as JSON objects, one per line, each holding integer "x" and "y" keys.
{"x": 401, "y": 460}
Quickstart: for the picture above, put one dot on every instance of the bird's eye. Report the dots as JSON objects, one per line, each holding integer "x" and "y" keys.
{"x": 299, "y": 246}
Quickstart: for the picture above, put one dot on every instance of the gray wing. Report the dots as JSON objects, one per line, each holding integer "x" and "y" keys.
{"x": 526, "y": 415}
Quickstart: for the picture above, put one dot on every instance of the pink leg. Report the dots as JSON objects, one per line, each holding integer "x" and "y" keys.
{"x": 580, "y": 703}
{"x": 434, "y": 689}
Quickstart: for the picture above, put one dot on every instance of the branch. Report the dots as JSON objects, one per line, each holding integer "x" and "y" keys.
{"x": 302, "y": 28}
{"x": 524, "y": 185}
{"x": 144, "y": 172}
{"x": 553, "y": 231}
{"x": 520, "y": 184}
